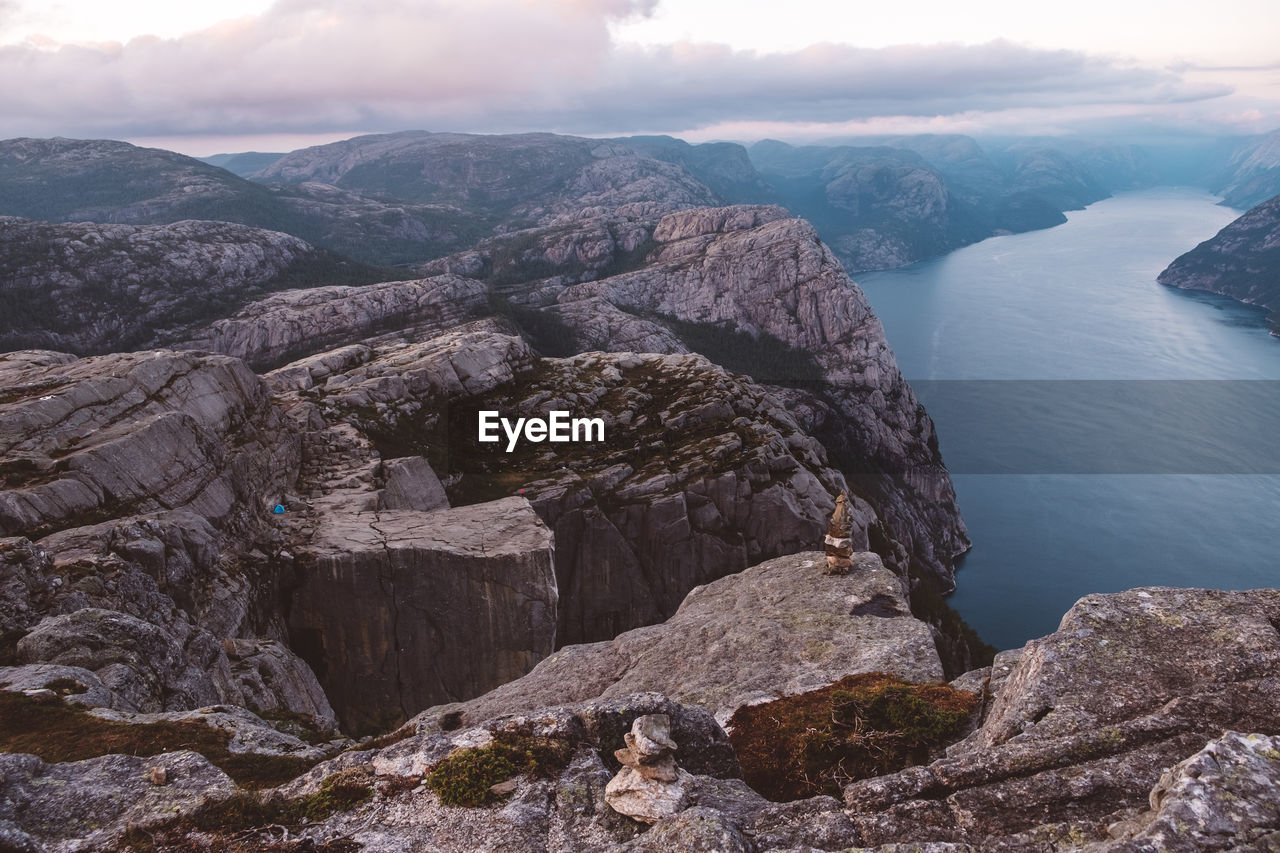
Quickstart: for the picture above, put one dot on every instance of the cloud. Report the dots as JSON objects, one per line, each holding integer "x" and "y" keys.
{"x": 321, "y": 65}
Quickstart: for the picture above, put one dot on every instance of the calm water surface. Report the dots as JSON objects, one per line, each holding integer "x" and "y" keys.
{"x": 1081, "y": 302}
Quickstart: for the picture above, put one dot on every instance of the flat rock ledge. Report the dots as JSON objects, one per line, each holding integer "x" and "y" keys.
{"x": 778, "y": 628}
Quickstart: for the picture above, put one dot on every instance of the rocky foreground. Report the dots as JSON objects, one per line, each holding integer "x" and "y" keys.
{"x": 1146, "y": 722}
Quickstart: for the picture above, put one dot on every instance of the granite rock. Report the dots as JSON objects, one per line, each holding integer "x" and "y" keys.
{"x": 397, "y": 610}
{"x": 775, "y": 629}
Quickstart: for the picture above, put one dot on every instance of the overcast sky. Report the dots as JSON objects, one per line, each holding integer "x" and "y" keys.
{"x": 203, "y": 77}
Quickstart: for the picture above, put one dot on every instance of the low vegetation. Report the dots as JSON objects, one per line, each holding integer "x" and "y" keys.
{"x": 764, "y": 357}
{"x": 467, "y": 776}
{"x": 58, "y": 731}
{"x": 862, "y": 726}
{"x": 245, "y": 820}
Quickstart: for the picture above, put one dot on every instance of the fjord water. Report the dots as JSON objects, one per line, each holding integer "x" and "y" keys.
{"x": 1081, "y": 302}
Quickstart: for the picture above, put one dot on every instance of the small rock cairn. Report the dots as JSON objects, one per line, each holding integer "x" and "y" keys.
{"x": 839, "y": 539}
{"x": 649, "y": 786}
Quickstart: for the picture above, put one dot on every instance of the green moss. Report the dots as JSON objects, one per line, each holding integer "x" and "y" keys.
{"x": 467, "y": 776}
{"x": 57, "y": 731}
{"x": 865, "y": 725}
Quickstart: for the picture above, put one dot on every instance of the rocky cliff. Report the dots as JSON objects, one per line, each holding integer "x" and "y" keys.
{"x": 776, "y": 629}
{"x": 754, "y": 290}
{"x": 398, "y": 609}
{"x": 1242, "y": 261}
{"x": 521, "y": 178}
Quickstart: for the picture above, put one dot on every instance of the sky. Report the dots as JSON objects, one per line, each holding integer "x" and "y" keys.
{"x": 203, "y": 77}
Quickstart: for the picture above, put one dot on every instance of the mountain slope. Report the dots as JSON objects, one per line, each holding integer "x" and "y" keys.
{"x": 521, "y": 179}
{"x": 1241, "y": 261}
{"x": 86, "y": 288}
{"x": 1252, "y": 174}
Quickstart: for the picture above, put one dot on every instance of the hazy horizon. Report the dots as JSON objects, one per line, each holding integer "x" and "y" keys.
{"x": 258, "y": 75}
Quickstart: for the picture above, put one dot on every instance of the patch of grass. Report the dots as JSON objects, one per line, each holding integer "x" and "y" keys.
{"x": 57, "y": 731}
{"x": 862, "y": 726}
{"x": 467, "y": 776}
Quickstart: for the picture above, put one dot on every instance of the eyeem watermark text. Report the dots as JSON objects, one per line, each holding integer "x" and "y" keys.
{"x": 557, "y": 427}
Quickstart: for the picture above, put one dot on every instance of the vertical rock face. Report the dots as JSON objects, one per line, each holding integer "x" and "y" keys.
{"x": 752, "y": 269}
{"x": 398, "y": 610}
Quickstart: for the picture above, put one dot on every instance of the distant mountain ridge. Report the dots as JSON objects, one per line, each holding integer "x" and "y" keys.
{"x": 243, "y": 164}
{"x": 93, "y": 288}
{"x": 412, "y": 196}
{"x": 73, "y": 180}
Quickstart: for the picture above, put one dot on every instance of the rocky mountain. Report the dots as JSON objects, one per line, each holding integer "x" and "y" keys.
{"x": 87, "y": 288}
{"x": 1049, "y": 174}
{"x": 911, "y": 198}
{"x": 514, "y": 180}
{"x": 885, "y": 201}
{"x": 1241, "y": 261}
{"x": 1252, "y": 173}
{"x": 222, "y": 561}
{"x": 72, "y": 180}
{"x": 368, "y": 437}
{"x": 413, "y": 196}
{"x": 760, "y": 293}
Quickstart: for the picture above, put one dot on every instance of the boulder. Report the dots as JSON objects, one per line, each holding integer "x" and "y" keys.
{"x": 411, "y": 484}
{"x": 1221, "y": 798}
{"x": 137, "y": 661}
{"x": 272, "y": 678}
{"x": 1087, "y": 720}
{"x": 87, "y": 805}
{"x": 76, "y": 684}
{"x": 398, "y": 610}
